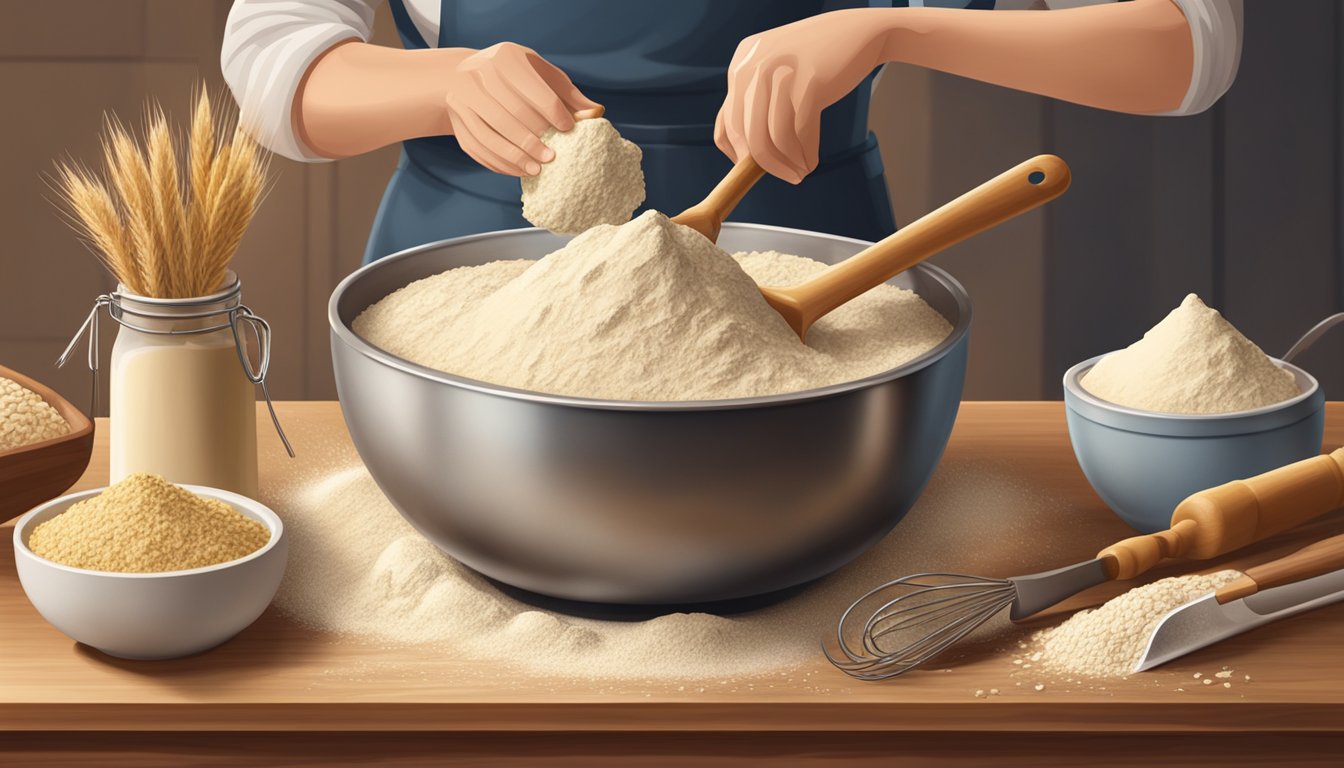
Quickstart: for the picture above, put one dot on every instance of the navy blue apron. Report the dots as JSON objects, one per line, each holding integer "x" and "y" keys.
{"x": 660, "y": 71}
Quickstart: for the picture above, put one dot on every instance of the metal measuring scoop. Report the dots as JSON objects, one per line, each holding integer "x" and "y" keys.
{"x": 924, "y": 614}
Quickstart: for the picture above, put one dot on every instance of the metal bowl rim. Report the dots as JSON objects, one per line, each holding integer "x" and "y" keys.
{"x": 351, "y": 339}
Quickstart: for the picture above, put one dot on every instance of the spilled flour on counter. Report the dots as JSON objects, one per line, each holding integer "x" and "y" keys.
{"x": 1108, "y": 641}
{"x": 357, "y": 568}
{"x": 650, "y": 310}
{"x": 594, "y": 179}
{"x": 1194, "y": 361}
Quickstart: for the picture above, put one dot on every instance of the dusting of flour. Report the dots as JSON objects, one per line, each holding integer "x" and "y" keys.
{"x": 1194, "y": 361}
{"x": 650, "y": 311}
{"x": 357, "y": 568}
{"x": 594, "y": 179}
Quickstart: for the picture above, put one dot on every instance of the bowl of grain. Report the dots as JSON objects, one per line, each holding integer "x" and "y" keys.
{"x": 621, "y": 417}
{"x": 146, "y": 569}
{"x": 1192, "y": 405}
{"x": 45, "y": 443}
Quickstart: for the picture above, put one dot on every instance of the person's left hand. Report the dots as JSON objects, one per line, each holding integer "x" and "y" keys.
{"x": 781, "y": 79}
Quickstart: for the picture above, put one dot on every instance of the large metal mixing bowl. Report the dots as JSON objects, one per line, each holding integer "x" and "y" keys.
{"x": 640, "y": 502}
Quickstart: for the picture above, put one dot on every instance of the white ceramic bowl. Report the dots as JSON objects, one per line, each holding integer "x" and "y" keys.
{"x": 153, "y": 615}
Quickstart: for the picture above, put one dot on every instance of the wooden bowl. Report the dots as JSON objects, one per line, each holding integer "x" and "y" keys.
{"x": 32, "y": 474}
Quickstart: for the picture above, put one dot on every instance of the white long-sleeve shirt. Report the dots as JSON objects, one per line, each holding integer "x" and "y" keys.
{"x": 269, "y": 46}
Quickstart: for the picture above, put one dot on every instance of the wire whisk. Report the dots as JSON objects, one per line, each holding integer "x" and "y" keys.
{"x": 921, "y": 616}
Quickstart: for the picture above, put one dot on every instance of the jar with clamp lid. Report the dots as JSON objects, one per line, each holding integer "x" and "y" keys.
{"x": 183, "y": 387}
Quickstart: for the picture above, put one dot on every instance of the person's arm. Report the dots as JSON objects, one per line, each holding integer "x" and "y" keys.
{"x": 269, "y": 45}
{"x": 1134, "y": 57}
{"x": 498, "y": 101}
{"x": 312, "y": 89}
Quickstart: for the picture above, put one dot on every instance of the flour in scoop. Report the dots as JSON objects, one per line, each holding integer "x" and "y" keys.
{"x": 648, "y": 311}
{"x": 1194, "y": 361}
{"x": 594, "y": 179}
{"x": 1109, "y": 641}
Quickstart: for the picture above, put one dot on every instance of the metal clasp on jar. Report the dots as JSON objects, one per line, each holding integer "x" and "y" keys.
{"x": 234, "y": 316}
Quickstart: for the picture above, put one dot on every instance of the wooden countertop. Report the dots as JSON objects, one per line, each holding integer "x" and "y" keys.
{"x": 279, "y": 677}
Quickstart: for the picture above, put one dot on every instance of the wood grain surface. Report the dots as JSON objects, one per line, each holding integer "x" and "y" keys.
{"x": 280, "y": 678}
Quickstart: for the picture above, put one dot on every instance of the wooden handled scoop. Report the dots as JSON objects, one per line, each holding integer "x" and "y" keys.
{"x": 1037, "y": 181}
{"x": 706, "y": 216}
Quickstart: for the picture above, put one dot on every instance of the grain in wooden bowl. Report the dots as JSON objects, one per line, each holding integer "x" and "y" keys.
{"x": 37, "y": 472}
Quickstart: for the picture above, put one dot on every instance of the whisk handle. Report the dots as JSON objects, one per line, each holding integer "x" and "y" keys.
{"x": 1228, "y": 517}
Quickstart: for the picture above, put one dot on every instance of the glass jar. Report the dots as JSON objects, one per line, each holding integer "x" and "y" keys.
{"x": 183, "y": 395}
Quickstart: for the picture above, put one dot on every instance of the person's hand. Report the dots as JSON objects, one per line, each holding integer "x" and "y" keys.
{"x": 502, "y": 98}
{"x": 780, "y": 80}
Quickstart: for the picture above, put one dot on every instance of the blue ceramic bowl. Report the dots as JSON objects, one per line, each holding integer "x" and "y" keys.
{"x": 1144, "y": 463}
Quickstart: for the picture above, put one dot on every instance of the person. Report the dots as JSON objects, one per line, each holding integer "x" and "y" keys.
{"x": 696, "y": 83}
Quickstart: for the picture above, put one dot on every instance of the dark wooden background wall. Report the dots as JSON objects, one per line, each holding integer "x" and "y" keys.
{"x": 1241, "y": 205}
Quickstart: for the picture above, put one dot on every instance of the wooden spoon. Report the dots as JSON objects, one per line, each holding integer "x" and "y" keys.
{"x": 1037, "y": 181}
{"x": 706, "y": 216}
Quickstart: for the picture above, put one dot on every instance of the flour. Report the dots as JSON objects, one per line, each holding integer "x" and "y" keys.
{"x": 25, "y": 418}
{"x": 357, "y": 569}
{"x": 1110, "y": 640}
{"x": 1194, "y": 361}
{"x": 650, "y": 311}
{"x": 594, "y": 179}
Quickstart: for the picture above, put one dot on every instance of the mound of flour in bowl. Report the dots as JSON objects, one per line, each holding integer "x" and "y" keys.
{"x": 594, "y": 179}
{"x": 650, "y": 311}
{"x": 1194, "y": 361}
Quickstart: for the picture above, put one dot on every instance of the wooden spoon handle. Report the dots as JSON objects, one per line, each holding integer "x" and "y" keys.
{"x": 1037, "y": 181}
{"x": 1312, "y": 560}
{"x": 732, "y": 188}
{"x": 1226, "y": 518}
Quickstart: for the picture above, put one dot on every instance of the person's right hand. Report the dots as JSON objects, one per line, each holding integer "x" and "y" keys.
{"x": 502, "y": 98}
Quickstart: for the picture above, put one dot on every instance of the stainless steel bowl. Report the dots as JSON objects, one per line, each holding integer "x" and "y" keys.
{"x": 644, "y": 502}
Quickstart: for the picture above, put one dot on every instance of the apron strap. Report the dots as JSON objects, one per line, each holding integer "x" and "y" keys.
{"x": 410, "y": 36}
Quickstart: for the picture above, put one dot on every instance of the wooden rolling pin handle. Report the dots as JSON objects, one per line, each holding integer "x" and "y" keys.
{"x": 1238, "y": 513}
{"x": 1134, "y": 556}
{"x": 1219, "y": 520}
{"x": 1312, "y": 560}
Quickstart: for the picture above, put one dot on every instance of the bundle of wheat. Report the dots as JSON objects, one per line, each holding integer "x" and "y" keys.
{"x": 164, "y": 228}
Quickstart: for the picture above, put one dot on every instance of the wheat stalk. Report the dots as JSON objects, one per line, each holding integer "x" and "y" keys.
{"x": 235, "y": 193}
{"x": 93, "y": 214}
{"x": 168, "y": 227}
{"x": 202, "y": 149}
{"x": 170, "y": 214}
